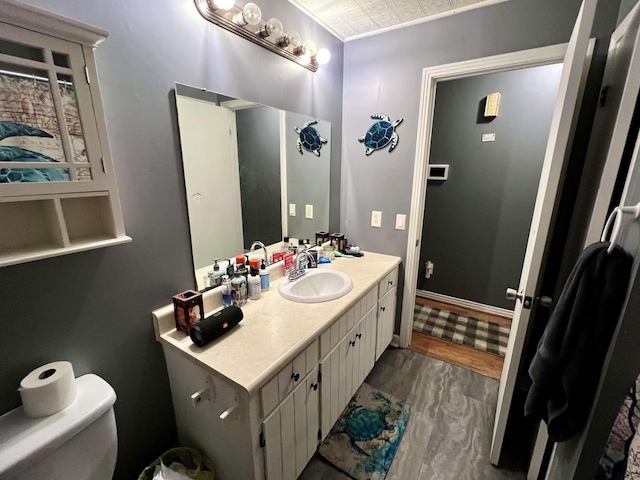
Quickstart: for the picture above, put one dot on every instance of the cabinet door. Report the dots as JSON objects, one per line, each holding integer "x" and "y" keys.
{"x": 273, "y": 446}
{"x": 330, "y": 405}
{"x": 306, "y": 406}
{"x": 291, "y": 431}
{"x": 386, "y": 319}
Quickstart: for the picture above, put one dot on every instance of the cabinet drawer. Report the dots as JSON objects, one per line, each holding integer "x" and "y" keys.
{"x": 288, "y": 378}
{"x": 387, "y": 283}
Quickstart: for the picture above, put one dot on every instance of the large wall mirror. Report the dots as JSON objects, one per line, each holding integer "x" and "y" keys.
{"x": 249, "y": 174}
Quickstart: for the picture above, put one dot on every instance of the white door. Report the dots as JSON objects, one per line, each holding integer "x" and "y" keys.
{"x": 210, "y": 161}
{"x": 557, "y": 148}
{"x": 622, "y": 81}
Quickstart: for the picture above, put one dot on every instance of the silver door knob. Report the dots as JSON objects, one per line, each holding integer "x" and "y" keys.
{"x": 512, "y": 294}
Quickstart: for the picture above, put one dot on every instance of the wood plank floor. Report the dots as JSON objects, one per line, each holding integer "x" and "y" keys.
{"x": 466, "y": 357}
{"x": 448, "y": 435}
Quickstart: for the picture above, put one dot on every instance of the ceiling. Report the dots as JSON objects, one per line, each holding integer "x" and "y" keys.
{"x": 351, "y": 19}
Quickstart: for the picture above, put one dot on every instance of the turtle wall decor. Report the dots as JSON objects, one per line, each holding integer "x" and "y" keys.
{"x": 309, "y": 138}
{"x": 381, "y": 134}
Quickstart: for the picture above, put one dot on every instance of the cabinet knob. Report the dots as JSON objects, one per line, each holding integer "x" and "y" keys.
{"x": 359, "y": 335}
{"x": 352, "y": 343}
{"x": 382, "y": 309}
{"x": 390, "y": 282}
{"x": 314, "y": 386}
{"x": 295, "y": 376}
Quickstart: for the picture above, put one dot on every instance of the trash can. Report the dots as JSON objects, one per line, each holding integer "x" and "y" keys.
{"x": 196, "y": 466}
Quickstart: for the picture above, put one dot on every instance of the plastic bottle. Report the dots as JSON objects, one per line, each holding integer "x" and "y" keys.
{"x": 227, "y": 299}
{"x": 285, "y": 244}
{"x": 254, "y": 285}
{"x": 239, "y": 289}
{"x": 216, "y": 276}
{"x": 265, "y": 278}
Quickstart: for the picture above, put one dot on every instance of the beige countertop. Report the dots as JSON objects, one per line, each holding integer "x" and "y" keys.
{"x": 274, "y": 330}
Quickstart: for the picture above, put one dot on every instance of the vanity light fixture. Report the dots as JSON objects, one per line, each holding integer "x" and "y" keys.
{"x": 247, "y": 23}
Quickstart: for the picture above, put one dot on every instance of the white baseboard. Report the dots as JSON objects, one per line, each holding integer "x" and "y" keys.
{"x": 460, "y": 302}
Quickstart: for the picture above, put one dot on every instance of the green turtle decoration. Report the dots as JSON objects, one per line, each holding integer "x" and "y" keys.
{"x": 309, "y": 138}
{"x": 381, "y": 134}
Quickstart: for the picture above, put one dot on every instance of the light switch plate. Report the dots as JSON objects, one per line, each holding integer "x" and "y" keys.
{"x": 292, "y": 209}
{"x": 488, "y": 137}
{"x": 400, "y": 221}
{"x": 308, "y": 211}
{"x": 376, "y": 219}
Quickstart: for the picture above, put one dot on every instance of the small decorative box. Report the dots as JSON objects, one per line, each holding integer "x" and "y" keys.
{"x": 188, "y": 310}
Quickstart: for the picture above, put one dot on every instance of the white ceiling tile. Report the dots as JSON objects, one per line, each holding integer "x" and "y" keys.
{"x": 350, "y": 18}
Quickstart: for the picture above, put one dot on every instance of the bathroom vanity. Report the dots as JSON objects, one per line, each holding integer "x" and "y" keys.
{"x": 259, "y": 399}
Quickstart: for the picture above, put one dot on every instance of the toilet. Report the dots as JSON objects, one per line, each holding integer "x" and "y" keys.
{"x": 78, "y": 443}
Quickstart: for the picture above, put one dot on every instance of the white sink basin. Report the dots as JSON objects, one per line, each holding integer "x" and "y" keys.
{"x": 318, "y": 285}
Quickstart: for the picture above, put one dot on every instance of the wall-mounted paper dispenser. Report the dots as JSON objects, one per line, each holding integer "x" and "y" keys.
{"x": 492, "y": 104}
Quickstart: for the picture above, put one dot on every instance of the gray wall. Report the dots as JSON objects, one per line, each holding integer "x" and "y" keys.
{"x": 625, "y": 8}
{"x": 94, "y": 308}
{"x": 259, "y": 164}
{"x": 307, "y": 179}
{"x": 476, "y": 223}
{"x": 383, "y": 74}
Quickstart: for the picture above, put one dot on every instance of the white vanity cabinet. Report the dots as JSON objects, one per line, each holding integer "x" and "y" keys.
{"x": 259, "y": 400}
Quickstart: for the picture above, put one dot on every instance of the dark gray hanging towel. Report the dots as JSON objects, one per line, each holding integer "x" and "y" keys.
{"x": 566, "y": 367}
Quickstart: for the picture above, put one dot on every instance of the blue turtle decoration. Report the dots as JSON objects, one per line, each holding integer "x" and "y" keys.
{"x": 17, "y": 154}
{"x": 310, "y": 139}
{"x": 381, "y": 134}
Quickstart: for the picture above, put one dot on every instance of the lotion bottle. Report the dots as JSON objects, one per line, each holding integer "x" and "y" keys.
{"x": 254, "y": 285}
{"x": 265, "y": 278}
{"x": 227, "y": 299}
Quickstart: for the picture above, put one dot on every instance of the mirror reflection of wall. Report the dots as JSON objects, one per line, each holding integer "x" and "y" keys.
{"x": 242, "y": 171}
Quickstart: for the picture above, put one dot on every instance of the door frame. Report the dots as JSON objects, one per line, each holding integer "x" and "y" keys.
{"x": 430, "y": 77}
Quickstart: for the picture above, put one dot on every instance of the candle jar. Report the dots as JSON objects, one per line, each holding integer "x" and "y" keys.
{"x": 188, "y": 310}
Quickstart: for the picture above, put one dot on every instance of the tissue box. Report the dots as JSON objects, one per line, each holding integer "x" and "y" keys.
{"x": 188, "y": 310}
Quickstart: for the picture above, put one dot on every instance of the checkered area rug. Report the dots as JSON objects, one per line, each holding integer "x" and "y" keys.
{"x": 469, "y": 331}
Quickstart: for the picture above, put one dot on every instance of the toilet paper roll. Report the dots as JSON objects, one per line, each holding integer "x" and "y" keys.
{"x": 48, "y": 389}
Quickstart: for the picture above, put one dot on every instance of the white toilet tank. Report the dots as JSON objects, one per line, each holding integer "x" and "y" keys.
{"x": 78, "y": 443}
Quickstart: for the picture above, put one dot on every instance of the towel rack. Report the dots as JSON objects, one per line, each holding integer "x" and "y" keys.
{"x": 615, "y": 218}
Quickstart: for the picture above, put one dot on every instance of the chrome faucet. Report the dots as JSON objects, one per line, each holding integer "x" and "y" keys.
{"x": 259, "y": 244}
{"x": 296, "y": 272}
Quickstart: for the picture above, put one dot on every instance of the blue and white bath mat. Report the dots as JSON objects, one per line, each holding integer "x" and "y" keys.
{"x": 366, "y": 437}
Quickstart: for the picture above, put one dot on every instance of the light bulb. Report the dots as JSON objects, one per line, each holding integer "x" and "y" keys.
{"x": 323, "y": 56}
{"x": 293, "y": 39}
{"x": 310, "y": 48}
{"x": 250, "y": 15}
{"x": 273, "y": 28}
{"x": 223, "y": 4}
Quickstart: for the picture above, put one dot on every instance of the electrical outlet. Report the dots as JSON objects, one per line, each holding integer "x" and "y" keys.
{"x": 376, "y": 219}
{"x": 428, "y": 269}
{"x": 400, "y": 221}
{"x": 308, "y": 211}
{"x": 292, "y": 209}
